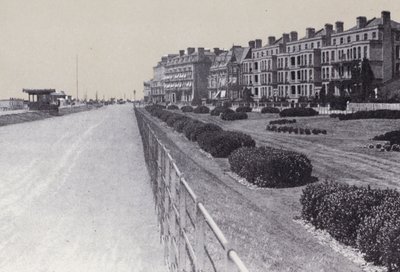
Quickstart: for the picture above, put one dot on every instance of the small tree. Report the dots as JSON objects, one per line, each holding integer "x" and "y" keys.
{"x": 367, "y": 78}
{"x": 247, "y": 96}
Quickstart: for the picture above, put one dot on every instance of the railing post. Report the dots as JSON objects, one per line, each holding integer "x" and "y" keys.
{"x": 200, "y": 239}
{"x": 182, "y": 225}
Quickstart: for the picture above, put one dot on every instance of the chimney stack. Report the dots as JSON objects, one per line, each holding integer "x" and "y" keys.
{"x": 293, "y": 36}
{"x": 271, "y": 40}
{"x": 285, "y": 38}
{"x": 252, "y": 44}
{"x": 200, "y": 51}
{"x": 217, "y": 51}
{"x": 310, "y": 32}
{"x": 328, "y": 29}
{"x": 385, "y": 17}
{"x": 190, "y": 50}
{"x": 181, "y": 52}
{"x": 258, "y": 43}
{"x": 339, "y": 26}
{"x": 361, "y": 21}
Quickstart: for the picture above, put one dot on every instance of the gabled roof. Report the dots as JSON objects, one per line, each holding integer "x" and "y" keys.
{"x": 376, "y": 22}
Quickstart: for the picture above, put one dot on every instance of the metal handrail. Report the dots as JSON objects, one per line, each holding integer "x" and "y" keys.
{"x": 182, "y": 223}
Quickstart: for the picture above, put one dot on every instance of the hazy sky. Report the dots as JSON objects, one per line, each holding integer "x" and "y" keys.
{"x": 119, "y": 41}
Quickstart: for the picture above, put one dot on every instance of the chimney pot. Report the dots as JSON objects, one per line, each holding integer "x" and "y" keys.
{"x": 310, "y": 32}
{"x": 361, "y": 21}
{"x": 339, "y": 26}
{"x": 252, "y": 44}
{"x": 181, "y": 52}
{"x": 285, "y": 38}
{"x": 190, "y": 50}
{"x": 271, "y": 40}
{"x": 258, "y": 43}
{"x": 293, "y": 36}
{"x": 385, "y": 17}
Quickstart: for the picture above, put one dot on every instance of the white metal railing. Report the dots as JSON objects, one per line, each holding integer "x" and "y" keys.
{"x": 191, "y": 238}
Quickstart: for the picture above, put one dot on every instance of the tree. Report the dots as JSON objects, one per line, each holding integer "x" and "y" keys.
{"x": 247, "y": 95}
{"x": 367, "y": 78}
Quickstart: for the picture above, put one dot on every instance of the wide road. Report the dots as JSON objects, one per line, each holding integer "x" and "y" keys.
{"x": 75, "y": 195}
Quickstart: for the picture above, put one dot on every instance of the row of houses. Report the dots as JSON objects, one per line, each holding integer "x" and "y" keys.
{"x": 285, "y": 67}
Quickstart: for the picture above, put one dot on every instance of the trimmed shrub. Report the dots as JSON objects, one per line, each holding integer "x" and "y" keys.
{"x": 282, "y": 122}
{"x": 202, "y": 110}
{"x": 190, "y": 127}
{"x": 203, "y": 128}
{"x": 180, "y": 124}
{"x": 307, "y": 131}
{"x": 231, "y": 115}
{"x": 221, "y": 144}
{"x": 270, "y": 110}
{"x": 376, "y": 114}
{"x": 218, "y": 110}
{"x": 298, "y": 112}
{"x": 365, "y": 218}
{"x": 393, "y": 137}
{"x": 174, "y": 118}
{"x": 187, "y": 108}
{"x": 244, "y": 109}
{"x": 172, "y": 107}
{"x": 270, "y": 167}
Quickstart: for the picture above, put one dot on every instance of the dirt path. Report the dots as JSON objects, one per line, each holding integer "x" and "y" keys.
{"x": 75, "y": 195}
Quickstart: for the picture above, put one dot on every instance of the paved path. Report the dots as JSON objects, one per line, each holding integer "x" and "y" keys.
{"x": 75, "y": 196}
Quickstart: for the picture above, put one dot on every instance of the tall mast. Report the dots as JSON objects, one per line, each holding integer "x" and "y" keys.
{"x": 77, "y": 80}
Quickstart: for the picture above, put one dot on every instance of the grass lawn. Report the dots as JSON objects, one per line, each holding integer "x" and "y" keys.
{"x": 259, "y": 222}
{"x": 337, "y": 155}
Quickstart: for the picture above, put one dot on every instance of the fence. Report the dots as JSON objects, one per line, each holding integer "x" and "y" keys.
{"x": 191, "y": 238}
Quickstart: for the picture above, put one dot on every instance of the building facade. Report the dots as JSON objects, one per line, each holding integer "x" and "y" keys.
{"x": 225, "y": 72}
{"x": 186, "y": 75}
{"x": 146, "y": 91}
{"x": 295, "y": 69}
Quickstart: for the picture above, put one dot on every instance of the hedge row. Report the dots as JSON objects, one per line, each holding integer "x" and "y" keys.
{"x": 230, "y": 115}
{"x": 172, "y": 107}
{"x": 244, "y": 109}
{"x": 202, "y": 110}
{"x": 385, "y": 147}
{"x": 218, "y": 110}
{"x": 364, "y": 218}
{"x": 211, "y": 137}
{"x": 270, "y": 167}
{"x": 187, "y": 109}
{"x": 296, "y": 130}
{"x": 282, "y": 122}
{"x": 393, "y": 137}
{"x": 270, "y": 110}
{"x": 376, "y": 114}
{"x": 298, "y": 112}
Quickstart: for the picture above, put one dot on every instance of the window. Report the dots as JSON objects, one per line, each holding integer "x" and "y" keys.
{"x": 357, "y": 38}
{"x": 310, "y": 59}
{"x": 312, "y": 45}
{"x": 359, "y": 52}
{"x": 294, "y": 48}
{"x": 397, "y": 52}
{"x": 293, "y": 75}
{"x": 306, "y": 46}
{"x": 374, "y": 35}
{"x": 332, "y": 55}
{"x": 299, "y": 47}
{"x": 256, "y": 91}
{"x": 341, "y": 40}
{"x": 365, "y": 36}
{"x": 256, "y": 78}
{"x": 256, "y": 65}
{"x": 366, "y": 52}
{"x": 293, "y": 90}
{"x": 334, "y": 41}
{"x": 318, "y": 44}
{"x": 349, "y": 39}
{"x": 292, "y": 61}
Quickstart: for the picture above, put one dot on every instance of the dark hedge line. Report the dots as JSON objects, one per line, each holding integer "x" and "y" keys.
{"x": 222, "y": 143}
{"x": 282, "y": 122}
{"x": 296, "y": 130}
{"x": 270, "y": 110}
{"x": 210, "y": 137}
{"x": 218, "y": 110}
{"x": 244, "y": 109}
{"x": 202, "y": 110}
{"x": 270, "y": 167}
{"x": 393, "y": 137}
{"x": 187, "y": 108}
{"x": 376, "y": 114}
{"x": 298, "y": 112}
{"x": 361, "y": 217}
{"x": 230, "y": 115}
{"x": 172, "y": 107}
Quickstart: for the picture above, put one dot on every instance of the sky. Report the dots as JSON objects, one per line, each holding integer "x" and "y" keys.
{"x": 117, "y": 42}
